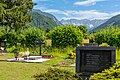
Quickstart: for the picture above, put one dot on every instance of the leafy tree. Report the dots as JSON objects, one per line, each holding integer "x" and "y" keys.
{"x": 109, "y": 35}
{"x": 84, "y": 30}
{"x": 14, "y": 14}
{"x": 31, "y": 35}
{"x": 47, "y": 33}
{"x": 65, "y": 36}
{"x": 11, "y": 38}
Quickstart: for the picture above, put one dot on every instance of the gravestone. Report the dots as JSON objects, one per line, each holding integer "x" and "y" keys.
{"x": 93, "y": 59}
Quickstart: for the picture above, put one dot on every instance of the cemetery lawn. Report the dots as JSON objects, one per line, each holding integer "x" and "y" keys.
{"x": 25, "y": 71}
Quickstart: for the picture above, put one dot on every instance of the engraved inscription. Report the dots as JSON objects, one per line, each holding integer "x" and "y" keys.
{"x": 94, "y": 61}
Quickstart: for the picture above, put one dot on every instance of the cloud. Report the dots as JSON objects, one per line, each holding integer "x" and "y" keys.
{"x": 87, "y": 2}
{"x": 39, "y": 0}
{"x": 78, "y": 14}
{"x": 86, "y": 14}
{"x": 56, "y": 11}
{"x": 42, "y": 0}
{"x": 82, "y": 14}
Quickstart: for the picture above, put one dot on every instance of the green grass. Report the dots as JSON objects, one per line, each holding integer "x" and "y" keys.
{"x": 25, "y": 71}
{"x": 20, "y": 71}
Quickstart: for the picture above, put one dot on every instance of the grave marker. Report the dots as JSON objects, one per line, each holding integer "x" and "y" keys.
{"x": 93, "y": 59}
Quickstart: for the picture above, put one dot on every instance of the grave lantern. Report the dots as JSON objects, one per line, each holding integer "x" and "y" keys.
{"x": 2, "y": 44}
{"x": 40, "y": 42}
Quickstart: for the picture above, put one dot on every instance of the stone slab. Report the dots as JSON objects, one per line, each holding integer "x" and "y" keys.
{"x": 29, "y": 59}
{"x": 92, "y": 59}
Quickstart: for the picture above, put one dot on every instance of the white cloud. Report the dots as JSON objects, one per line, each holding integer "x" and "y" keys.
{"x": 82, "y": 14}
{"x": 78, "y": 14}
{"x": 87, "y": 2}
{"x": 86, "y": 14}
{"x": 56, "y": 11}
{"x": 39, "y": 0}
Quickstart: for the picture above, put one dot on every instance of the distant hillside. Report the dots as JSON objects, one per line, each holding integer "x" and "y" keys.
{"x": 43, "y": 19}
{"x": 90, "y": 24}
{"x": 115, "y": 20}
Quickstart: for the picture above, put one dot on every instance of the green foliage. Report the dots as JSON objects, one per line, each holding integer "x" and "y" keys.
{"x": 104, "y": 44}
{"x": 66, "y": 36}
{"x": 109, "y": 74}
{"x": 1, "y": 31}
{"x": 32, "y": 35}
{"x": 84, "y": 30}
{"x": 11, "y": 38}
{"x": 47, "y": 33}
{"x": 72, "y": 55}
{"x": 56, "y": 74}
{"x": 111, "y": 36}
{"x": 26, "y": 38}
{"x": 14, "y": 13}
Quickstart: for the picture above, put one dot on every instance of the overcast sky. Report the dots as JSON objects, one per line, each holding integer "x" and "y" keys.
{"x": 79, "y": 9}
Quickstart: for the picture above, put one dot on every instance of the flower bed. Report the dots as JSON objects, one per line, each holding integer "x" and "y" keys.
{"x": 47, "y": 56}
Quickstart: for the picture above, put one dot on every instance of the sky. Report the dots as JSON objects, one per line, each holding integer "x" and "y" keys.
{"x": 79, "y": 9}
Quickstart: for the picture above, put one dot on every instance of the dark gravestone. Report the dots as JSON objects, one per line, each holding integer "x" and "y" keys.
{"x": 93, "y": 59}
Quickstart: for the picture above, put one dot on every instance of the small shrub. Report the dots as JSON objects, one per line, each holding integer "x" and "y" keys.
{"x": 72, "y": 55}
{"x": 109, "y": 74}
{"x": 56, "y": 74}
{"x": 104, "y": 44}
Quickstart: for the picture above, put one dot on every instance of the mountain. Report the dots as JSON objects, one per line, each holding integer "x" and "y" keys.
{"x": 115, "y": 20}
{"x": 90, "y": 24}
{"x": 43, "y": 19}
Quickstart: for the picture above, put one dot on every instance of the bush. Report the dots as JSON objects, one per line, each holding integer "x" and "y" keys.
{"x": 65, "y": 36}
{"x": 11, "y": 38}
{"x": 109, "y": 74}
{"x": 27, "y": 37}
{"x": 84, "y": 30}
{"x": 56, "y": 74}
{"x": 72, "y": 55}
{"x": 32, "y": 35}
{"x": 111, "y": 36}
{"x": 104, "y": 44}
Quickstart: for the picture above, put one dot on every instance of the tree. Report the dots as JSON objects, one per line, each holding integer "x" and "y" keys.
{"x": 65, "y": 36}
{"x": 84, "y": 30}
{"x": 14, "y": 14}
{"x": 32, "y": 35}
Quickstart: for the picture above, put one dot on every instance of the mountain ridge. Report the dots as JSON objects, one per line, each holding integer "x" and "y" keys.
{"x": 43, "y": 20}
{"x": 115, "y": 21}
{"x": 90, "y": 24}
